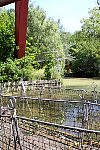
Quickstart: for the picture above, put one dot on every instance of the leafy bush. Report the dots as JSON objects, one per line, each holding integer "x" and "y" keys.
{"x": 13, "y": 70}
{"x": 38, "y": 74}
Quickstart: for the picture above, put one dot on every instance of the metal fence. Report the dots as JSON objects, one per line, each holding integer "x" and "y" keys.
{"x": 55, "y": 93}
{"x": 28, "y": 134}
{"x": 83, "y": 114}
{"x": 47, "y": 89}
{"x": 50, "y": 118}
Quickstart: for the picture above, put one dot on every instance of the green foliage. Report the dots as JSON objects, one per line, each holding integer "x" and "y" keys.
{"x": 91, "y": 25}
{"x": 44, "y": 46}
{"x": 38, "y": 74}
{"x": 16, "y": 69}
{"x": 44, "y": 39}
{"x": 50, "y": 63}
{"x": 48, "y": 45}
{"x": 55, "y": 74}
{"x": 87, "y": 59}
{"x": 86, "y": 47}
{"x": 7, "y": 42}
{"x": 65, "y": 38}
{"x": 9, "y": 71}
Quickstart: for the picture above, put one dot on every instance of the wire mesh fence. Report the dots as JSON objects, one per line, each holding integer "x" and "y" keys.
{"x": 83, "y": 114}
{"x": 47, "y": 89}
{"x": 33, "y": 134}
{"x": 49, "y": 118}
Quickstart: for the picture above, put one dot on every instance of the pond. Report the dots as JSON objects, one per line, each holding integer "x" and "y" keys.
{"x": 70, "y": 113}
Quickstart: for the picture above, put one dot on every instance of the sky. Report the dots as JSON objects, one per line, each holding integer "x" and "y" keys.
{"x": 70, "y": 12}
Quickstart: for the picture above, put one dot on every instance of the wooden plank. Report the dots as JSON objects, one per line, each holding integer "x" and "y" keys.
{"x": 6, "y": 2}
{"x": 21, "y": 12}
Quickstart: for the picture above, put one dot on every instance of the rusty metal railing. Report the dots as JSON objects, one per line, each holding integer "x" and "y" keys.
{"x": 83, "y": 114}
{"x": 47, "y": 89}
{"x": 40, "y": 135}
{"x": 49, "y": 130}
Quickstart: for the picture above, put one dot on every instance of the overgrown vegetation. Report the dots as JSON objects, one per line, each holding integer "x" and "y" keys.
{"x": 86, "y": 46}
{"x": 48, "y": 46}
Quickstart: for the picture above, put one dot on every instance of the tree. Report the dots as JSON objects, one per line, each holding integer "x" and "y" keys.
{"x": 86, "y": 48}
{"x": 7, "y": 42}
{"x": 44, "y": 39}
{"x": 44, "y": 45}
{"x": 91, "y": 25}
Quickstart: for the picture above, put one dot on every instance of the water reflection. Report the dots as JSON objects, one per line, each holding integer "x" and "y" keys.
{"x": 60, "y": 112}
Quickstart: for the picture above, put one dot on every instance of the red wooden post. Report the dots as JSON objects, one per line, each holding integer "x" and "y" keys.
{"x": 21, "y": 12}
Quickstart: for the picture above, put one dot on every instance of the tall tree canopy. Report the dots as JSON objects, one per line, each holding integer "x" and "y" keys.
{"x": 44, "y": 39}
{"x": 48, "y": 45}
{"x": 44, "y": 44}
{"x": 86, "y": 46}
{"x": 91, "y": 25}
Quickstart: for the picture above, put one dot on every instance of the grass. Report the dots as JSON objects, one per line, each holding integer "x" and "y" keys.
{"x": 80, "y": 83}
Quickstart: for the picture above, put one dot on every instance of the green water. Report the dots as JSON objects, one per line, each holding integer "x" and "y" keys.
{"x": 60, "y": 112}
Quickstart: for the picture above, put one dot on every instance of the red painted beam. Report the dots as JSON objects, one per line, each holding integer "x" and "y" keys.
{"x": 6, "y": 2}
{"x": 21, "y": 12}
